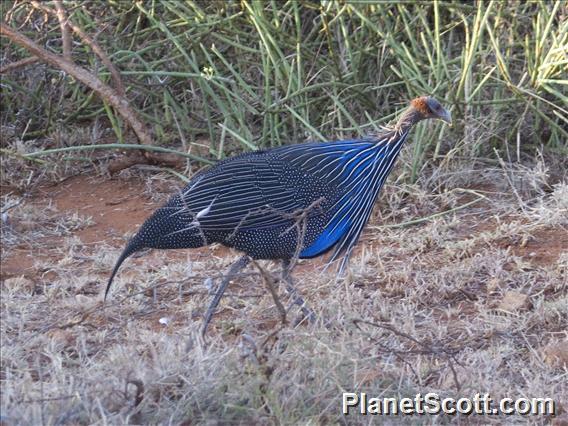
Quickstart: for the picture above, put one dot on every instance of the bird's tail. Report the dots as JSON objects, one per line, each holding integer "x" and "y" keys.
{"x": 133, "y": 246}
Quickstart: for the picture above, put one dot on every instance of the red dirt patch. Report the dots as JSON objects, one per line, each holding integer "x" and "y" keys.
{"x": 20, "y": 262}
{"x": 116, "y": 206}
{"x": 544, "y": 248}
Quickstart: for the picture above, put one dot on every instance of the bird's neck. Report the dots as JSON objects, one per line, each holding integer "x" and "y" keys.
{"x": 408, "y": 119}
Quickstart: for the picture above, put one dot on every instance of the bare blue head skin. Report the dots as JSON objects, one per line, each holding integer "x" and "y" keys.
{"x": 436, "y": 110}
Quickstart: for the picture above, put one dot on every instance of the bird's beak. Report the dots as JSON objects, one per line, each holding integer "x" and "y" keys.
{"x": 446, "y": 116}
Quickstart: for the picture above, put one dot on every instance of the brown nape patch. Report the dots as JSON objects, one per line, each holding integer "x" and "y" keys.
{"x": 421, "y": 105}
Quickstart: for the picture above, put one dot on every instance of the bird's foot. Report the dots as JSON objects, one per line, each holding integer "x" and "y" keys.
{"x": 307, "y": 315}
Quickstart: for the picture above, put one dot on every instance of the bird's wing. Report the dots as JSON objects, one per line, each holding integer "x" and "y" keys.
{"x": 359, "y": 169}
{"x": 252, "y": 191}
{"x": 263, "y": 189}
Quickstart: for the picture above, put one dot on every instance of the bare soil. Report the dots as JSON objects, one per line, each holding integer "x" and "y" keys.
{"x": 482, "y": 291}
{"x": 118, "y": 207}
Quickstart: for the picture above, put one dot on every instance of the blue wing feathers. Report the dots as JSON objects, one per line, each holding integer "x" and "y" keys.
{"x": 259, "y": 190}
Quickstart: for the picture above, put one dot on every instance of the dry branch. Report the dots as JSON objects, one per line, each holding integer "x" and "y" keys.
{"x": 85, "y": 77}
{"x": 65, "y": 37}
{"x": 107, "y": 93}
{"x": 18, "y": 64}
{"x": 139, "y": 395}
{"x": 115, "y": 75}
{"x": 270, "y": 283}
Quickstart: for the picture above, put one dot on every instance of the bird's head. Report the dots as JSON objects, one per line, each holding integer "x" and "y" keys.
{"x": 428, "y": 107}
{"x": 423, "y": 108}
{"x": 166, "y": 228}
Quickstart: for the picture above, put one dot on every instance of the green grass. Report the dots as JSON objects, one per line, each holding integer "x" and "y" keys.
{"x": 249, "y": 75}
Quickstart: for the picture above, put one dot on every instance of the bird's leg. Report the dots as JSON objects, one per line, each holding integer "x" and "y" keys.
{"x": 293, "y": 292}
{"x": 233, "y": 270}
{"x": 270, "y": 284}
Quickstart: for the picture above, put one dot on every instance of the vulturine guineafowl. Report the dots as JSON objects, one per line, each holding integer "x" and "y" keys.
{"x": 293, "y": 202}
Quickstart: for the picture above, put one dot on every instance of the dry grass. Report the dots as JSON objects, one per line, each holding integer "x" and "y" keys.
{"x": 474, "y": 300}
{"x": 467, "y": 302}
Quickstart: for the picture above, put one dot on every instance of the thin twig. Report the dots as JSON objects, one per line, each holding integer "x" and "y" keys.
{"x": 85, "y": 77}
{"x": 428, "y": 349}
{"x": 115, "y": 75}
{"x": 63, "y": 23}
{"x": 18, "y": 64}
{"x": 300, "y": 217}
{"x": 127, "y": 146}
{"x": 270, "y": 284}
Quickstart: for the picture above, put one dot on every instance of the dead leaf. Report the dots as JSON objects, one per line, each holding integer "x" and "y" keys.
{"x": 18, "y": 282}
{"x": 364, "y": 377}
{"x": 556, "y": 354}
{"x": 514, "y": 301}
{"x": 62, "y": 338}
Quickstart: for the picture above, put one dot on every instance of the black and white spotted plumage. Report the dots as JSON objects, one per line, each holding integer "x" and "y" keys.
{"x": 299, "y": 200}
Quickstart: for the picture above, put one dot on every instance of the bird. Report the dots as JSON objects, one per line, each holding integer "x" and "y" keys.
{"x": 292, "y": 202}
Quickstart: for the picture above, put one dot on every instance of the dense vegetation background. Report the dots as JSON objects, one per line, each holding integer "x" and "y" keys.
{"x": 215, "y": 77}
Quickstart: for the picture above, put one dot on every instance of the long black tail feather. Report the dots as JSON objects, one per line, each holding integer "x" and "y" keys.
{"x": 132, "y": 247}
